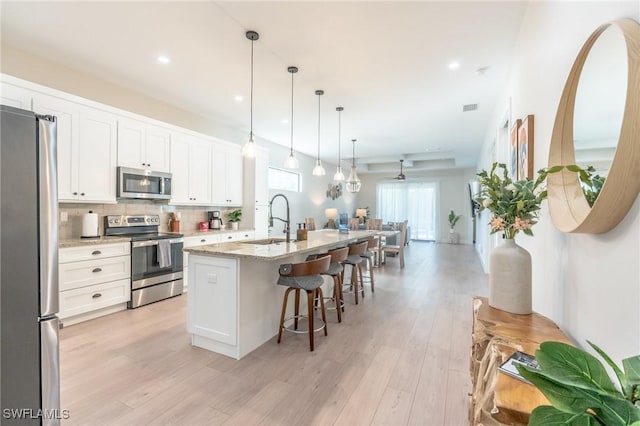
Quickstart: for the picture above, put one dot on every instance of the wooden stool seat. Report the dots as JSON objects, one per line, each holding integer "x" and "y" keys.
{"x": 304, "y": 276}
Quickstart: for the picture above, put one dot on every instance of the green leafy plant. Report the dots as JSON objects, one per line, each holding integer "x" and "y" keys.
{"x": 453, "y": 219}
{"x": 235, "y": 215}
{"x": 590, "y": 181}
{"x": 514, "y": 204}
{"x": 580, "y": 390}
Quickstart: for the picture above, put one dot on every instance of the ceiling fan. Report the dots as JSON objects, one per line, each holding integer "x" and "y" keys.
{"x": 401, "y": 176}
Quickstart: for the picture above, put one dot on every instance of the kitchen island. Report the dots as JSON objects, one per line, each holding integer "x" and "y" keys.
{"x": 234, "y": 303}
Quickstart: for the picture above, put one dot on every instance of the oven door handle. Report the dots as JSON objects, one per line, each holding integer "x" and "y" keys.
{"x": 136, "y": 244}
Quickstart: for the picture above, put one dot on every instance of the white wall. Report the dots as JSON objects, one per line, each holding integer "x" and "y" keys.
{"x": 588, "y": 284}
{"x": 453, "y": 195}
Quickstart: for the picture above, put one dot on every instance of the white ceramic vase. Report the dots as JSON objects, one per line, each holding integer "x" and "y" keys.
{"x": 234, "y": 226}
{"x": 510, "y": 278}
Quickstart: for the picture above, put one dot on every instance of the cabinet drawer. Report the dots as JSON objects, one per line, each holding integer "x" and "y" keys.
{"x": 81, "y": 274}
{"x": 74, "y": 254}
{"x": 201, "y": 240}
{"x": 91, "y": 298}
{"x": 237, "y": 236}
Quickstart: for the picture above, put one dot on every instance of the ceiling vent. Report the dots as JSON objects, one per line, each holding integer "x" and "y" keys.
{"x": 469, "y": 107}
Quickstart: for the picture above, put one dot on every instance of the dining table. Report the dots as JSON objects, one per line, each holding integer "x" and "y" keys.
{"x": 382, "y": 237}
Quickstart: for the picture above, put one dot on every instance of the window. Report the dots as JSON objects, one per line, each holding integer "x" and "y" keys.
{"x": 415, "y": 202}
{"x": 284, "y": 180}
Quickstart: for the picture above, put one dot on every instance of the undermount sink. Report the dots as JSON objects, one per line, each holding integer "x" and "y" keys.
{"x": 267, "y": 242}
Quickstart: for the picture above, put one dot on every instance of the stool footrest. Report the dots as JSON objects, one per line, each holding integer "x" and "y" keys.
{"x": 302, "y": 331}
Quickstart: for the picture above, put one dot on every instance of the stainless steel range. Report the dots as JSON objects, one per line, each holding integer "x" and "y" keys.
{"x": 156, "y": 257}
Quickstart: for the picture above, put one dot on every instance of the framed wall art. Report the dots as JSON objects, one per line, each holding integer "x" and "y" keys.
{"x": 513, "y": 149}
{"x": 525, "y": 149}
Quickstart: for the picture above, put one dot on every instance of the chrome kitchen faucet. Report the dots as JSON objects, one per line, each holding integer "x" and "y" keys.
{"x": 287, "y": 223}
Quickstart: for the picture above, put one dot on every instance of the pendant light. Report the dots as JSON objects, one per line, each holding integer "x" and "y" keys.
{"x": 318, "y": 170}
{"x": 353, "y": 183}
{"x": 292, "y": 161}
{"x": 339, "y": 176}
{"x": 249, "y": 148}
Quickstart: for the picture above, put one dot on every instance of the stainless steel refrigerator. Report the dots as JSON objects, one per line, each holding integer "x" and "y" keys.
{"x": 29, "y": 364}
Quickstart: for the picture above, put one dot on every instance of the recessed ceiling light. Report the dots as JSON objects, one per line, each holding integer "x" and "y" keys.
{"x": 285, "y": 121}
{"x": 163, "y": 59}
{"x": 454, "y": 65}
{"x": 239, "y": 98}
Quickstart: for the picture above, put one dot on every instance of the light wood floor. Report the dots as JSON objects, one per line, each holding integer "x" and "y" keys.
{"x": 399, "y": 357}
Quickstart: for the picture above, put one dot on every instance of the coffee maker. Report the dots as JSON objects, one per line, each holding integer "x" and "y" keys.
{"x": 215, "y": 220}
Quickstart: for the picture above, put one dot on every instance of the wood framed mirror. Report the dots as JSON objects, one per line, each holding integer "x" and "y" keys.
{"x": 568, "y": 206}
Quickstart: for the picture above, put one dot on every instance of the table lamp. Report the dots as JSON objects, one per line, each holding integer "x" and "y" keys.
{"x": 361, "y": 213}
{"x": 331, "y": 214}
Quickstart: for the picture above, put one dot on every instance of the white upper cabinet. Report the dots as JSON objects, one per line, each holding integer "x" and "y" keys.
{"x": 190, "y": 169}
{"x": 15, "y": 96}
{"x": 86, "y": 152}
{"x": 143, "y": 146}
{"x": 256, "y": 179}
{"x": 97, "y": 155}
{"x": 227, "y": 175}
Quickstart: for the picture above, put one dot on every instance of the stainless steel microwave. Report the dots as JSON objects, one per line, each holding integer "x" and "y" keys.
{"x": 143, "y": 184}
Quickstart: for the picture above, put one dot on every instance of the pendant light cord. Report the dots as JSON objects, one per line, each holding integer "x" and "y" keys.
{"x": 291, "y": 113}
{"x": 353, "y": 153}
{"x": 339, "y": 125}
{"x": 319, "y": 94}
{"x": 251, "y": 96}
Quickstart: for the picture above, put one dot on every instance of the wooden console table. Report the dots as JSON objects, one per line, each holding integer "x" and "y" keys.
{"x": 497, "y": 398}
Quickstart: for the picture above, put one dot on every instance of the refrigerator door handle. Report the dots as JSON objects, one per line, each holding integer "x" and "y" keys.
{"x": 50, "y": 370}
{"x": 48, "y": 199}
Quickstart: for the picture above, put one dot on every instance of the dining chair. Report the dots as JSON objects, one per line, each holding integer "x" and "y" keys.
{"x": 398, "y": 248}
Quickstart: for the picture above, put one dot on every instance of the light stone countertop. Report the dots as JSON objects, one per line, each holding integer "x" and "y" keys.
{"x": 79, "y": 242}
{"x": 245, "y": 249}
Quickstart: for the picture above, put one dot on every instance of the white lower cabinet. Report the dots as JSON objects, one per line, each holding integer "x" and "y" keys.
{"x": 199, "y": 240}
{"x": 213, "y": 302}
{"x": 94, "y": 280}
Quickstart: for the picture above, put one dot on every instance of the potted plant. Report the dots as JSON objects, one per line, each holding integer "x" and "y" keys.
{"x": 234, "y": 218}
{"x": 453, "y": 219}
{"x": 580, "y": 390}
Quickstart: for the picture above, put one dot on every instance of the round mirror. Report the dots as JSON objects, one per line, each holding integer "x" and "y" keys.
{"x": 600, "y": 98}
{"x": 598, "y": 125}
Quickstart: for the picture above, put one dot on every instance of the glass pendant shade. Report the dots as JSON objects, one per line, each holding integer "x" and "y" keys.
{"x": 249, "y": 148}
{"x": 318, "y": 170}
{"x": 291, "y": 162}
{"x": 339, "y": 176}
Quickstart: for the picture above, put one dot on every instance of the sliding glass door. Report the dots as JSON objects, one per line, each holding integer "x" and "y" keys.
{"x": 415, "y": 202}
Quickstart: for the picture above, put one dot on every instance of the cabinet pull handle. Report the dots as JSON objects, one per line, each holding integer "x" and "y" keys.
{"x": 229, "y": 237}
{"x": 97, "y": 270}
{"x": 203, "y": 241}
{"x": 82, "y": 193}
{"x": 96, "y": 252}
{"x": 75, "y": 193}
{"x": 95, "y": 296}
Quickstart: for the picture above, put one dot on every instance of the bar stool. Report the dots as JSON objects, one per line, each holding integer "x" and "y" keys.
{"x": 368, "y": 256}
{"x": 303, "y": 276}
{"x": 335, "y": 271}
{"x": 355, "y": 261}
